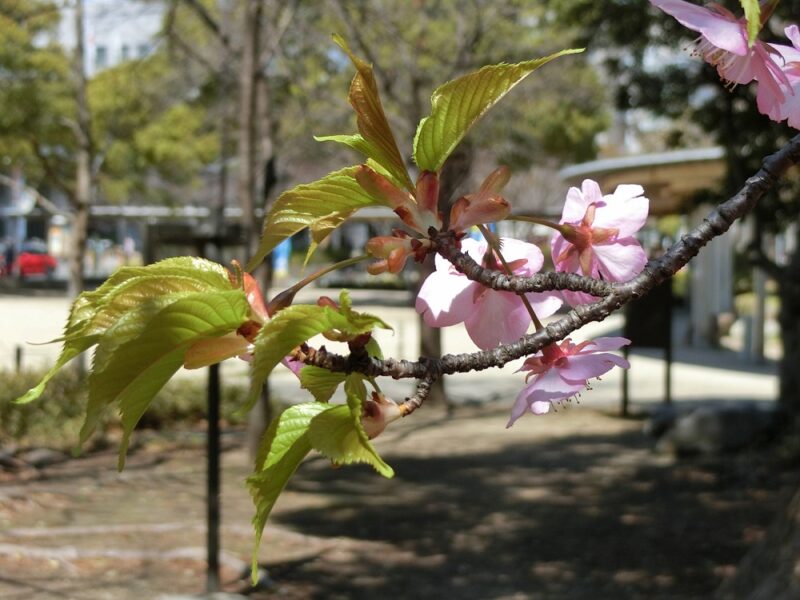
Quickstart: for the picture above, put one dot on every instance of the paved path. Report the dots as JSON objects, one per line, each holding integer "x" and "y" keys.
{"x": 698, "y": 375}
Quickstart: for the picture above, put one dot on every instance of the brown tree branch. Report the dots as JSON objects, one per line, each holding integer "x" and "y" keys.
{"x": 655, "y": 272}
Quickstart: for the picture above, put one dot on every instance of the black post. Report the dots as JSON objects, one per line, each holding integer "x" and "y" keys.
{"x": 18, "y": 358}
{"x": 625, "y": 399}
{"x": 213, "y": 487}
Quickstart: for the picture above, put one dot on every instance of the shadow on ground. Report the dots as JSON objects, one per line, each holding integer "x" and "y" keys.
{"x": 589, "y": 516}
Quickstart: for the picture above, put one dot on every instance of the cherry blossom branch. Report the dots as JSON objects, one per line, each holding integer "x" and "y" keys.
{"x": 615, "y": 295}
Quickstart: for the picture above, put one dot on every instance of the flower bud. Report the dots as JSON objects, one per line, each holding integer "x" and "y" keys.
{"x": 254, "y": 297}
{"x": 428, "y": 196}
{"x": 378, "y": 413}
{"x": 477, "y": 209}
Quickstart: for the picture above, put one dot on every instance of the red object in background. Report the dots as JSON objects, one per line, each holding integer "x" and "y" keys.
{"x": 34, "y": 259}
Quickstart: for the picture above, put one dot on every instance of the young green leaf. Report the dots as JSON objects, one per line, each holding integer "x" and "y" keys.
{"x": 338, "y": 433}
{"x": 294, "y": 325}
{"x": 282, "y": 449}
{"x": 372, "y": 122}
{"x": 93, "y": 313}
{"x": 458, "y": 104}
{"x": 131, "y": 373}
{"x": 752, "y": 13}
{"x": 321, "y": 206}
{"x": 322, "y": 383}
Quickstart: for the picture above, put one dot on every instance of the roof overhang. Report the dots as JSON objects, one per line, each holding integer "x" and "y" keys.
{"x": 670, "y": 179}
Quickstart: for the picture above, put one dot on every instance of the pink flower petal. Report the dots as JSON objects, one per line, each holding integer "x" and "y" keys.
{"x": 545, "y": 304}
{"x": 604, "y": 344}
{"x": 577, "y": 202}
{"x": 724, "y": 32}
{"x": 582, "y": 367}
{"x": 517, "y": 250}
{"x": 445, "y": 299}
{"x": 621, "y": 260}
{"x": 625, "y": 210}
{"x": 498, "y": 318}
{"x": 577, "y": 298}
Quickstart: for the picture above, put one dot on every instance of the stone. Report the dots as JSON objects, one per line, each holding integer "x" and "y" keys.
{"x": 714, "y": 429}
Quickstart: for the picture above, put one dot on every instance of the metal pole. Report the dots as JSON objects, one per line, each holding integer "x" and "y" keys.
{"x": 18, "y": 358}
{"x": 625, "y": 398}
{"x": 213, "y": 480}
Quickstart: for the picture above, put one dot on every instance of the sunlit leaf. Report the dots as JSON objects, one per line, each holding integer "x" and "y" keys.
{"x": 338, "y": 433}
{"x": 294, "y": 325}
{"x": 282, "y": 449}
{"x": 321, "y": 206}
{"x": 458, "y": 104}
{"x": 322, "y": 383}
{"x": 132, "y": 372}
{"x": 372, "y": 123}
{"x": 94, "y": 312}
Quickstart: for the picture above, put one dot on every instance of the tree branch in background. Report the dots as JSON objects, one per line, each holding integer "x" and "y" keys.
{"x": 209, "y": 21}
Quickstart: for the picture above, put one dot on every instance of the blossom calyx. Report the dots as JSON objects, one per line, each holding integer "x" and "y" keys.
{"x": 400, "y": 201}
{"x": 485, "y": 206}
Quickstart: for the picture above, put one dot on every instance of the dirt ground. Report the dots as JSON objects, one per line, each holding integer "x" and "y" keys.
{"x": 572, "y": 505}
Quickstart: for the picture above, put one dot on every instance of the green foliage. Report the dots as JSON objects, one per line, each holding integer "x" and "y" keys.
{"x": 338, "y": 433}
{"x": 320, "y": 206}
{"x": 322, "y": 383}
{"x": 134, "y": 370}
{"x": 457, "y": 105}
{"x": 377, "y": 140}
{"x": 55, "y": 421}
{"x": 333, "y": 430}
{"x": 129, "y": 290}
{"x": 296, "y": 324}
{"x": 283, "y": 447}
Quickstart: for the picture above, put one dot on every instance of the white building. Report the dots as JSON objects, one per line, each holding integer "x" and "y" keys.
{"x": 115, "y": 30}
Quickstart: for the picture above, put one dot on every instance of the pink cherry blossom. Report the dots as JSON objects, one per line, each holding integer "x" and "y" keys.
{"x": 562, "y": 370}
{"x": 597, "y": 235}
{"x": 789, "y": 107}
{"x": 448, "y": 297}
{"x": 723, "y": 43}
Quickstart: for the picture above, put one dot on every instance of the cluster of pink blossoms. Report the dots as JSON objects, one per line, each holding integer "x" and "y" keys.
{"x": 596, "y": 238}
{"x": 723, "y": 42}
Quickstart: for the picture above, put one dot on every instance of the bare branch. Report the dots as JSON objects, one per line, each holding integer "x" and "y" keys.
{"x": 284, "y": 19}
{"x": 412, "y": 403}
{"x": 209, "y": 21}
{"x": 446, "y": 245}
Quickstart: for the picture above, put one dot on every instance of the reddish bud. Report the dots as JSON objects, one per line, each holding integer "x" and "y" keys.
{"x": 495, "y": 181}
{"x": 428, "y": 197}
{"x": 327, "y": 301}
{"x": 281, "y": 301}
{"x": 473, "y": 210}
{"x": 378, "y": 413}
{"x": 254, "y": 297}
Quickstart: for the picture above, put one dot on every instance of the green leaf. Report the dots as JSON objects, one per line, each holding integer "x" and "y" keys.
{"x": 458, "y": 104}
{"x": 294, "y": 325}
{"x": 93, "y": 313}
{"x": 282, "y": 449}
{"x": 752, "y": 13}
{"x": 372, "y": 122}
{"x": 321, "y": 206}
{"x": 338, "y": 433}
{"x": 131, "y": 373}
{"x": 322, "y": 383}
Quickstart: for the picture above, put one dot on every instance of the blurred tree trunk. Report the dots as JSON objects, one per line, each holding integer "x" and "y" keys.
{"x": 789, "y": 291}
{"x": 80, "y": 200}
{"x": 455, "y": 172}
